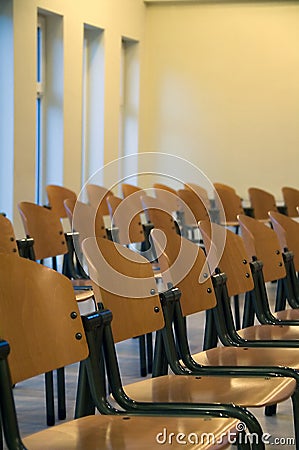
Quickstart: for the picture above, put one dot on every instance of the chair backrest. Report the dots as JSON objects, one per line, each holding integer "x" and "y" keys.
{"x": 291, "y": 200}
{"x": 7, "y": 236}
{"x": 193, "y": 207}
{"x": 38, "y": 312}
{"x": 261, "y": 201}
{"x": 158, "y": 213}
{"x": 187, "y": 269}
{"x": 87, "y": 221}
{"x": 167, "y": 195}
{"x": 261, "y": 241}
{"x": 56, "y": 196}
{"x": 69, "y": 205}
{"x": 287, "y": 230}
{"x": 233, "y": 259}
{"x": 129, "y": 189}
{"x": 123, "y": 280}
{"x": 125, "y": 216}
{"x": 44, "y": 226}
{"x": 97, "y": 196}
{"x": 230, "y": 200}
{"x": 200, "y": 192}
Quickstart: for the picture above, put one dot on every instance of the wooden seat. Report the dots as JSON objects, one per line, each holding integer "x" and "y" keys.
{"x": 45, "y": 332}
{"x": 56, "y": 196}
{"x": 291, "y": 200}
{"x": 127, "y": 300}
{"x": 261, "y": 202}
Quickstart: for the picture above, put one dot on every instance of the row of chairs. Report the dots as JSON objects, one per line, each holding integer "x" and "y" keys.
{"x": 269, "y": 390}
{"x": 261, "y": 202}
{"x": 110, "y": 248}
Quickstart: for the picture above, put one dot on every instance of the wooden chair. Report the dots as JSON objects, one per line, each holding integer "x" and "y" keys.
{"x": 8, "y": 243}
{"x": 125, "y": 218}
{"x": 262, "y": 243}
{"x": 291, "y": 200}
{"x": 159, "y": 213}
{"x": 167, "y": 195}
{"x": 44, "y": 226}
{"x": 45, "y": 332}
{"x": 188, "y": 269}
{"x": 234, "y": 260}
{"x": 126, "y": 300}
{"x": 129, "y": 189}
{"x": 231, "y": 203}
{"x": 261, "y": 202}
{"x": 200, "y": 192}
{"x": 194, "y": 210}
{"x": 97, "y": 196}
{"x": 56, "y": 196}
{"x": 287, "y": 229}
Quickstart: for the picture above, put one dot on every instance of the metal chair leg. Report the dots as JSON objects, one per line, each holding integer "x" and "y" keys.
{"x": 49, "y": 398}
{"x": 61, "y": 393}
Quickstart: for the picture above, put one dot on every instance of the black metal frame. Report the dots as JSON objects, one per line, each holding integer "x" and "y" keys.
{"x": 102, "y": 362}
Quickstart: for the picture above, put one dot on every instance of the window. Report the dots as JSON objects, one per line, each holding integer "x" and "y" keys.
{"x": 92, "y": 103}
{"x": 40, "y": 87}
{"x": 6, "y": 108}
{"x": 49, "y": 103}
{"x": 129, "y": 107}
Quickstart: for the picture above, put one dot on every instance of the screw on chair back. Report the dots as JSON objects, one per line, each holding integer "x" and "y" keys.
{"x": 291, "y": 200}
{"x": 125, "y": 216}
{"x": 123, "y": 280}
{"x": 261, "y": 242}
{"x": 97, "y": 196}
{"x": 44, "y": 226}
{"x": 287, "y": 230}
{"x": 232, "y": 257}
{"x": 261, "y": 201}
{"x": 56, "y": 196}
{"x": 231, "y": 203}
{"x": 7, "y": 236}
{"x": 29, "y": 295}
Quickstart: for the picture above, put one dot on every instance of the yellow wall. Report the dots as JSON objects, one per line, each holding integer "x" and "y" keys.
{"x": 117, "y": 18}
{"x": 220, "y": 87}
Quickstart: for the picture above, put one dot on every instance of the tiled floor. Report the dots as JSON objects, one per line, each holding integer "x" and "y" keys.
{"x": 30, "y": 395}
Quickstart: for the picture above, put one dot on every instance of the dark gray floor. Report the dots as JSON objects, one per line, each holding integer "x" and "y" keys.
{"x": 29, "y": 395}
